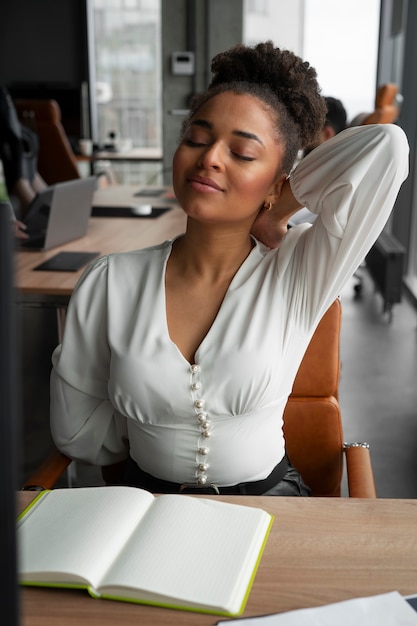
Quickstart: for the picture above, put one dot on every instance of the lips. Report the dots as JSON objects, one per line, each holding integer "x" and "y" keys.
{"x": 201, "y": 183}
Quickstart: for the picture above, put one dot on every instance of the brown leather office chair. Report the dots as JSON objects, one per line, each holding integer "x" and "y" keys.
{"x": 56, "y": 159}
{"x": 312, "y": 426}
{"x": 386, "y": 107}
{"x": 313, "y": 422}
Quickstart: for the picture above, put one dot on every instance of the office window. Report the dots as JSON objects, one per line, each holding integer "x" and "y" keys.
{"x": 127, "y": 66}
{"x": 344, "y": 50}
{"x": 340, "y": 45}
{"x": 256, "y": 7}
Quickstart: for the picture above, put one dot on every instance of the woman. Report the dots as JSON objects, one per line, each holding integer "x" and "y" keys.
{"x": 182, "y": 356}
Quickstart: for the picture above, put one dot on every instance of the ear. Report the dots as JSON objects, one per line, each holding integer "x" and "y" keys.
{"x": 276, "y": 189}
{"x": 327, "y": 133}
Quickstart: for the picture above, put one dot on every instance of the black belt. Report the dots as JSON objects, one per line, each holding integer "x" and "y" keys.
{"x": 135, "y": 475}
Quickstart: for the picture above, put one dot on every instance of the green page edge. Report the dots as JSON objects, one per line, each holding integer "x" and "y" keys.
{"x": 33, "y": 503}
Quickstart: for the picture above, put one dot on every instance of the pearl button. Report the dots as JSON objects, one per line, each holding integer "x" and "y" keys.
{"x": 203, "y": 451}
{"x": 202, "y": 418}
{"x": 206, "y": 434}
{"x": 195, "y": 368}
{"x": 195, "y": 386}
{"x": 199, "y": 404}
{"x": 203, "y": 467}
{"x": 202, "y": 480}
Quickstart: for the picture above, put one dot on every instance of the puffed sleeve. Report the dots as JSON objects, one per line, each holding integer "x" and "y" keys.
{"x": 351, "y": 182}
{"x": 84, "y": 424}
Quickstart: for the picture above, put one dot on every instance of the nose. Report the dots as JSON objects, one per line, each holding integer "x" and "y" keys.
{"x": 212, "y": 156}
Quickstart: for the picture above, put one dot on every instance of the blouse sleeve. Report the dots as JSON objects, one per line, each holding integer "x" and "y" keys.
{"x": 84, "y": 424}
{"x": 351, "y": 182}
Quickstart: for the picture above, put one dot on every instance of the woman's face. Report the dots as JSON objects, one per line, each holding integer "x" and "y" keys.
{"x": 228, "y": 160}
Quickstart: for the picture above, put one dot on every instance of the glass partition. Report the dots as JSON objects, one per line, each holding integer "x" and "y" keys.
{"x": 128, "y": 82}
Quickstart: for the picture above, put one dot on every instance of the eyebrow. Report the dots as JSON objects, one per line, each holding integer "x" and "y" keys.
{"x": 239, "y": 133}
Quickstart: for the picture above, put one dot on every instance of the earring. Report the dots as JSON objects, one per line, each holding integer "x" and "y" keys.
{"x": 268, "y": 206}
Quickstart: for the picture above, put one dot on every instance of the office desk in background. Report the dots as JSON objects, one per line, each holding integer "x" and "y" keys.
{"x": 122, "y": 196}
{"x": 105, "y": 236}
{"x": 135, "y": 154}
{"x": 320, "y": 550}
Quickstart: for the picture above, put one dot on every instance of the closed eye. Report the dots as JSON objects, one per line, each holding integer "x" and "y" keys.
{"x": 194, "y": 144}
{"x": 199, "y": 144}
{"x": 242, "y": 157}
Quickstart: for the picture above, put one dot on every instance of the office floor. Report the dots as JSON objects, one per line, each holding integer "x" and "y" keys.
{"x": 378, "y": 388}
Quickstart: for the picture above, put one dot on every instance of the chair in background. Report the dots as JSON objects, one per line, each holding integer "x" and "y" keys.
{"x": 56, "y": 160}
{"x": 312, "y": 427}
{"x": 387, "y": 107}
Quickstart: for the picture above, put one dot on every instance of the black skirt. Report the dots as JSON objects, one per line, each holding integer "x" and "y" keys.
{"x": 284, "y": 480}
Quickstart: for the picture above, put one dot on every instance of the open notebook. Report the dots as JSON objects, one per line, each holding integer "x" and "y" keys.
{"x": 123, "y": 543}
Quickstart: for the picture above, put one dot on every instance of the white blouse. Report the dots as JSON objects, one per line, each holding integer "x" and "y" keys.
{"x": 119, "y": 384}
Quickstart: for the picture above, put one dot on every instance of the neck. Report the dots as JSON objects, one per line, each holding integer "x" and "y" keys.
{"x": 211, "y": 252}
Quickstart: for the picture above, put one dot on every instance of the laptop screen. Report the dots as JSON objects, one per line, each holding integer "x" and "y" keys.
{"x": 37, "y": 216}
{"x": 59, "y": 214}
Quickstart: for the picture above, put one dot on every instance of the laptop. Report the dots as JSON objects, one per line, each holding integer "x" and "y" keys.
{"x": 59, "y": 213}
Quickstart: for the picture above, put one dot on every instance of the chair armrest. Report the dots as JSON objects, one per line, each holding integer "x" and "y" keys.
{"x": 48, "y": 473}
{"x": 360, "y": 474}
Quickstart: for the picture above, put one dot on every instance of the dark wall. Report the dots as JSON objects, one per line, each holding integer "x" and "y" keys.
{"x": 43, "y": 53}
{"x": 43, "y": 41}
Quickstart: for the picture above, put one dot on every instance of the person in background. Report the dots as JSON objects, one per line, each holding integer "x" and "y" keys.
{"x": 18, "y": 227}
{"x": 335, "y": 122}
{"x": 179, "y": 358}
{"x": 19, "y": 156}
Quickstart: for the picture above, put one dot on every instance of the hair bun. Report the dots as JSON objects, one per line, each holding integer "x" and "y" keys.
{"x": 292, "y": 80}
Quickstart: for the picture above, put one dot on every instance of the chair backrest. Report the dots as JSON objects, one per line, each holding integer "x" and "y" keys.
{"x": 386, "y": 108}
{"x": 312, "y": 418}
{"x": 56, "y": 159}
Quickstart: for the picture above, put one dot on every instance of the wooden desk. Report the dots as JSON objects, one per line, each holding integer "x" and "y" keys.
{"x": 319, "y": 551}
{"x": 134, "y": 154}
{"x": 122, "y": 196}
{"x": 104, "y": 235}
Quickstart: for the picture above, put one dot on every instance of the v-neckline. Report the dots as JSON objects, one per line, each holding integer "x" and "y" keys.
{"x": 231, "y": 286}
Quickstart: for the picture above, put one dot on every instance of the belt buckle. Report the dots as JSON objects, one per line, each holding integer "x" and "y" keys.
{"x": 186, "y": 487}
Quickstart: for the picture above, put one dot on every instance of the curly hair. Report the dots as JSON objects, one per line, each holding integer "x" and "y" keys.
{"x": 279, "y": 78}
